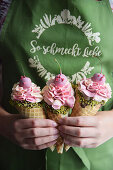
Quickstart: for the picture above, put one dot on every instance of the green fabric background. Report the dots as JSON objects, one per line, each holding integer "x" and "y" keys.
{"x": 15, "y": 52}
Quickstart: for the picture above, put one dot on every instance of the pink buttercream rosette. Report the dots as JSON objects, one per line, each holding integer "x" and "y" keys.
{"x": 31, "y": 94}
{"x": 57, "y": 96}
{"x": 26, "y": 97}
{"x": 95, "y": 90}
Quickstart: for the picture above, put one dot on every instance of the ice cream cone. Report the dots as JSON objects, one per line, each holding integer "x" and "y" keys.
{"x": 60, "y": 143}
{"x": 27, "y": 98}
{"x": 59, "y": 97}
{"x": 87, "y": 110}
{"x": 91, "y": 94}
{"x": 36, "y": 112}
{"x": 78, "y": 110}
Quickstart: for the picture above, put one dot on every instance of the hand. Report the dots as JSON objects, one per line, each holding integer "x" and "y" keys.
{"x": 87, "y": 131}
{"x": 32, "y": 134}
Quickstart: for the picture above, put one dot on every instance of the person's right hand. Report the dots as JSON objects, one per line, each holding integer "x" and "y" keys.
{"x": 31, "y": 134}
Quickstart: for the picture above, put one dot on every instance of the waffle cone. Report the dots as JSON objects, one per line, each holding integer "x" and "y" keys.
{"x": 80, "y": 111}
{"x": 86, "y": 111}
{"x": 36, "y": 112}
{"x": 60, "y": 143}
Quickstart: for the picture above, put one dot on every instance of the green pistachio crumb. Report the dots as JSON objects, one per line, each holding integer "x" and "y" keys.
{"x": 90, "y": 102}
{"x": 25, "y": 104}
{"x": 63, "y": 110}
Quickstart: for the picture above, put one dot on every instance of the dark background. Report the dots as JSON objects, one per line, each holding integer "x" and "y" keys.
{"x": 0, "y": 79}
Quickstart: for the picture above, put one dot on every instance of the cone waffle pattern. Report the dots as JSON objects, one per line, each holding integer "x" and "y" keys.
{"x": 37, "y": 112}
{"x": 80, "y": 111}
{"x": 60, "y": 144}
{"x": 87, "y": 111}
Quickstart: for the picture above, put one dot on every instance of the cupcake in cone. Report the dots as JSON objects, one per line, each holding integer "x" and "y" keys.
{"x": 59, "y": 98}
{"x": 91, "y": 94}
{"x": 26, "y": 97}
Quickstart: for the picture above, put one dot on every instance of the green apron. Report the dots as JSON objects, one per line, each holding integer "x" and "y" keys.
{"x": 34, "y": 34}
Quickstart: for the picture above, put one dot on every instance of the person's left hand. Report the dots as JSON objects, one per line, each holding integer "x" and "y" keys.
{"x": 87, "y": 131}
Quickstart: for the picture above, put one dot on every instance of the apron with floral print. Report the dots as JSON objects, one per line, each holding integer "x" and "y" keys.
{"x": 34, "y": 34}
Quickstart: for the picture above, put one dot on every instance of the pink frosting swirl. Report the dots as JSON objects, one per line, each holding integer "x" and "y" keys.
{"x": 95, "y": 90}
{"x": 31, "y": 94}
{"x": 58, "y": 94}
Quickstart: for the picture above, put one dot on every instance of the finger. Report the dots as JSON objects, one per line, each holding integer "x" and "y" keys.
{"x": 94, "y": 145}
{"x": 38, "y": 132}
{"x": 79, "y": 121}
{"x": 40, "y": 141}
{"x": 32, "y": 123}
{"x": 79, "y": 131}
{"x": 81, "y": 144}
{"x": 44, "y": 146}
{"x": 78, "y": 142}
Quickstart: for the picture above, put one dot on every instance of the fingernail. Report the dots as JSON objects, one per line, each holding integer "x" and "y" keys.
{"x": 54, "y": 141}
{"x": 61, "y": 134}
{"x": 60, "y": 128}
{"x": 60, "y": 121}
{"x": 66, "y": 142}
{"x": 56, "y": 136}
{"x": 56, "y": 131}
{"x": 54, "y": 124}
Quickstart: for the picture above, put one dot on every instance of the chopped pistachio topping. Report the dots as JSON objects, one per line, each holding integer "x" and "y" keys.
{"x": 25, "y": 104}
{"x": 63, "y": 110}
{"x": 90, "y": 102}
{"x": 74, "y": 86}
